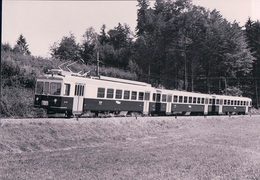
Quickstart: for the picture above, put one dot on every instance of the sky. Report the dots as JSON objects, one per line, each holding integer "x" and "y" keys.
{"x": 45, "y": 22}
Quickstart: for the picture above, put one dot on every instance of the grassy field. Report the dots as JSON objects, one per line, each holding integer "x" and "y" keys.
{"x": 129, "y": 148}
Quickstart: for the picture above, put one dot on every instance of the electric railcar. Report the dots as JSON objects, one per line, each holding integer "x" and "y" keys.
{"x": 74, "y": 94}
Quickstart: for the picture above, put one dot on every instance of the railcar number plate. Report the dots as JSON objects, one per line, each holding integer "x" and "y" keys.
{"x": 45, "y": 103}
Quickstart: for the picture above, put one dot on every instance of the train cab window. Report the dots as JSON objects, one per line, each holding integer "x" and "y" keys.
{"x": 55, "y": 88}
{"x": 190, "y": 99}
{"x": 141, "y": 96}
{"x": 147, "y": 96}
{"x": 164, "y": 98}
{"x": 39, "y": 87}
{"x": 46, "y": 89}
{"x": 194, "y": 100}
{"x": 232, "y": 102}
{"x": 202, "y": 100}
{"x": 169, "y": 98}
{"x": 247, "y": 103}
{"x": 217, "y": 101}
{"x": 67, "y": 89}
{"x": 110, "y": 93}
{"x": 101, "y": 93}
{"x": 180, "y": 99}
{"x": 126, "y": 94}
{"x": 119, "y": 94}
{"x": 175, "y": 98}
{"x": 198, "y": 100}
{"x": 134, "y": 95}
{"x": 185, "y": 99}
{"x": 158, "y": 97}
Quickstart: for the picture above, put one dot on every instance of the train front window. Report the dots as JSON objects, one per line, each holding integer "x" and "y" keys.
{"x": 46, "y": 89}
{"x": 39, "y": 87}
{"x": 55, "y": 88}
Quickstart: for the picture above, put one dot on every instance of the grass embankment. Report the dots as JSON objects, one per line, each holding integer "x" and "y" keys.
{"x": 146, "y": 148}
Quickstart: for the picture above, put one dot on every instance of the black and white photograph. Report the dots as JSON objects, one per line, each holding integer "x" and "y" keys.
{"x": 135, "y": 89}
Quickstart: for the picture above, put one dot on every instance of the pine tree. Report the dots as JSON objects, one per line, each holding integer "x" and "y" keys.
{"x": 21, "y": 46}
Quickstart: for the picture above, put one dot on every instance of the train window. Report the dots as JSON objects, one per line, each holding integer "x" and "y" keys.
{"x": 202, "y": 100}
{"x": 221, "y": 101}
{"x": 119, "y": 94}
{"x": 67, "y": 89}
{"x": 154, "y": 96}
{"x": 238, "y": 103}
{"x": 147, "y": 96}
{"x": 198, "y": 100}
{"x": 185, "y": 99}
{"x": 180, "y": 99}
{"x": 134, "y": 95}
{"x": 206, "y": 101}
{"x": 244, "y": 103}
{"x": 190, "y": 99}
{"x": 39, "y": 87}
{"x": 194, "y": 100}
{"x": 101, "y": 93}
{"x": 225, "y": 102}
{"x": 175, "y": 98}
{"x": 79, "y": 90}
{"x": 169, "y": 98}
{"x": 228, "y": 102}
{"x": 82, "y": 92}
{"x": 217, "y": 101}
{"x": 210, "y": 101}
{"x": 158, "y": 97}
{"x": 232, "y": 102}
{"x": 46, "y": 89}
{"x": 241, "y": 103}
{"x": 55, "y": 88}
{"x": 164, "y": 98}
{"x": 126, "y": 94}
{"x": 141, "y": 96}
{"x": 110, "y": 93}
{"x": 247, "y": 103}
{"x": 235, "y": 102}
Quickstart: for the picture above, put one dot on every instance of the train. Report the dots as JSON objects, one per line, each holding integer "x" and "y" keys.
{"x": 75, "y": 94}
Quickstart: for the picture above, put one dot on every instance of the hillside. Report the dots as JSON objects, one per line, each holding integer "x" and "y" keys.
{"x": 19, "y": 73}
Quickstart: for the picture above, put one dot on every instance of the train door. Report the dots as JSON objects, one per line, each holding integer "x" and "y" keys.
{"x": 169, "y": 104}
{"x": 158, "y": 103}
{"x": 213, "y": 105}
{"x": 78, "y": 98}
{"x": 146, "y": 102}
{"x": 220, "y": 111}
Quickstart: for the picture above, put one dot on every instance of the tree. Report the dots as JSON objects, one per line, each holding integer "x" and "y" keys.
{"x": 89, "y": 45}
{"x": 67, "y": 49}
{"x": 21, "y": 46}
{"x": 252, "y": 32}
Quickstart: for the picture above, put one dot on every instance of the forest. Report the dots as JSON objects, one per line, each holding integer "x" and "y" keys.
{"x": 175, "y": 45}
